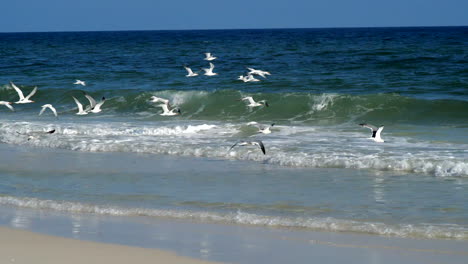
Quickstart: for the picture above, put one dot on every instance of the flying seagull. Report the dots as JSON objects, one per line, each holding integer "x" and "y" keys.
{"x": 252, "y": 103}
{"x": 80, "y": 82}
{"x": 7, "y": 104}
{"x": 209, "y": 71}
{"x": 44, "y": 107}
{"x": 168, "y": 110}
{"x": 375, "y": 132}
{"x": 209, "y": 57}
{"x": 190, "y": 73}
{"x": 258, "y": 143}
{"x": 258, "y": 72}
{"x": 248, "y": 78}
{"x": 93, "y": 106}
{"x": 22, "y": 99}
{"x": 265, "y": 129}
{"x": 33, "y": 137}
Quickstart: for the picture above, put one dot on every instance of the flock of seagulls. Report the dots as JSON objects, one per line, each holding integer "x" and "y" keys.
{"x": 169, "y": 110}
{"x": 248, "y": 77}
{"x": 93, "y": 106}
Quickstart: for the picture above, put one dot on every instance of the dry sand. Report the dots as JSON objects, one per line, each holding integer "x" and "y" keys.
{"x": 24, "y": 247}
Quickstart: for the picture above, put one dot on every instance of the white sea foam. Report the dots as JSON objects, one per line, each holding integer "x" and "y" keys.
{"x": 287, "y": 146}
{"x": 321, "y": 102}
{"x": 315, "y": 223}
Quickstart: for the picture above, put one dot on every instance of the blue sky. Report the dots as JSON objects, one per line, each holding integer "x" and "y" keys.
{"x": 91, "y": 15}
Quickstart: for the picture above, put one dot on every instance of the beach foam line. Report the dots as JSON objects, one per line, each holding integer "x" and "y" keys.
{"x": 433, "y": 231}
{"x": 214, "y": 140}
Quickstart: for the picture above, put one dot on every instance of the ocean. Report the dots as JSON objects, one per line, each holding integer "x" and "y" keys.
{"x": 321, "y": 171}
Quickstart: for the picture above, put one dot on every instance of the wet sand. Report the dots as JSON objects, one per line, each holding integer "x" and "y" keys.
{"x": 25, "y": 247}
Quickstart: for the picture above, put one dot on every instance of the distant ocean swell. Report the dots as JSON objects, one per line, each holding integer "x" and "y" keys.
{"x": 225, "y": 105}
{"x": 422, "y": 230}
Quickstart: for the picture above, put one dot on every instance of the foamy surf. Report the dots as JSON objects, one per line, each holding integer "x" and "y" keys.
{"x": 291, "y": 146}
{"x": 422, "y": 230}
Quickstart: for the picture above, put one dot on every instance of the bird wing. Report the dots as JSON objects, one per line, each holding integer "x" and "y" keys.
{"x": 7, "y": 104}
{"x": 165, "y": 107}
{"x": 377, "y": 134}
{"x": 211, "y": 66}
{"x": 80, "y": 106}
{"x": 159, "y": 99}
{"x": 18, "y": 90}
{"x": 31, "y": 93}
{"x": 233, "y": 146}
{"x": 260, "y": 144}
{"x": 91, "y": 100}
{"x": 53, "y": 110}
{"x": 189, "y": 71}
{"x": 251, "y": 100}
{"x": 10, "y": 107}
{"x": 42, "y": 110}
{"x": 371, "y": 127}
{"x": 98, "y": 105}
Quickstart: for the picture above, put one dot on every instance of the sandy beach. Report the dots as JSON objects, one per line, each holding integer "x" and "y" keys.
{"x": 20, "y": 246}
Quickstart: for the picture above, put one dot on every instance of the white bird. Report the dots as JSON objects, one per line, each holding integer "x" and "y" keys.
{"x": 93, "y": 106}
{"x": 248, "y": 78}
{"x": 80, "y": 82}
{"x": 190, "y": 73}
{"x": 252, "y": 103}
{"x": 263, "y": 129}
{"x": 209, "y": 71}
{"x": 30, "y": 137}
{"x": 209, "y": 57}
{"x": 155, "y": 99}
{"x": 258, "y": 143}
{"x": 22, "y": 99}
{"x": 258, "y": 72}
{"x": 168, "y": 110}
{"x": 44, "y": 107}
{"x": 80, "y": 107}
{"x": 375, "y": 132}
{"x": 7, "y": 104}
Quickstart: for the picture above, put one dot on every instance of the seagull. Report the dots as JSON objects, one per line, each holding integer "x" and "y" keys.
{"x": 94, "y": 107}
{"x": 258, "y": 72}
{"x": 252, "y": 103}
{"x": 248, "y": 78}
{"x": 80, "y": 107}
{"x": 22, "y": 99}
{"x": 375, "y": 132}
{"x": 265, "y": 129}
{"x": 209, "y": 57}
{"x": 168, "y": 110}
{"x": 209, "y": 71}
{"x": 258, "y": 143}
{"x": 7, "y": 104}
{"x": 80, "y": 82}
{"x": 32, "y": 137}
{"x": 190, "y": 73}
{"x": 44, "y": 107}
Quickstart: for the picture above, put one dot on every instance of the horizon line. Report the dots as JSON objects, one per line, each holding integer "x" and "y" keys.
{"x": 218, "y": 29}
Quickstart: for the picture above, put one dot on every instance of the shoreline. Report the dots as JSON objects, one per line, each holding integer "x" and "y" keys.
{"x": 192, "y": 242}
{"x": 21, "y": 246}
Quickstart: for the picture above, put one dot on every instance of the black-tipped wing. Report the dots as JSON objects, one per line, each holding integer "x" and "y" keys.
{"x": 233, "y": 146}
{"x": 260, "y": 144}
